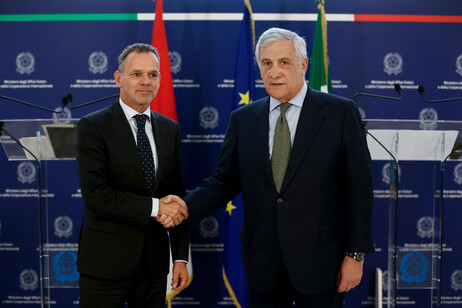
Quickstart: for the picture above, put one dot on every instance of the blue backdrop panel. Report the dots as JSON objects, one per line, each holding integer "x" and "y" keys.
{"x": 43, "y": 61}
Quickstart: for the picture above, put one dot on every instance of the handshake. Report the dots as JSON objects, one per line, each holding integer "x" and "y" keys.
{"x": 172, "y": 211}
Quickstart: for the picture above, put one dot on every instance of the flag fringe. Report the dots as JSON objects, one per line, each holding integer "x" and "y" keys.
{"x": 252, "y": 22}
{"x": 324, "y": 38}
{"x": 230, "y": 289}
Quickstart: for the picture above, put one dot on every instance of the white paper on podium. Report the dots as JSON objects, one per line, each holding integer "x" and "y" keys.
{"x": 411, "y": 144}
{"x": 30, "y": 143}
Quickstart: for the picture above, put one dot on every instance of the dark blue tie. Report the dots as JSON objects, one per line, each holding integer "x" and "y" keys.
{"x": 144, "y": 149}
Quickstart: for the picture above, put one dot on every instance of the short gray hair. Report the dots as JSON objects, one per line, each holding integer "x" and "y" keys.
{"x": 278, "y": 34}
{"x": 137, "y": 47}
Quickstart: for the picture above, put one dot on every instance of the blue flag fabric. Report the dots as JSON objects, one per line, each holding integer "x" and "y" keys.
{"x": 244, "y": 93}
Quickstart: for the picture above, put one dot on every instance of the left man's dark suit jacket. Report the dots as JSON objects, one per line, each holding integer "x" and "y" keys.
{"x": 117, "y": 225}
{"x": 325, "y": 204}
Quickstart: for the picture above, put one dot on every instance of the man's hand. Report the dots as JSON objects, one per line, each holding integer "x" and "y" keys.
{"x": 172, "y": 211}
{"x": 180, "y": 276}
{"x": 349, "y": 275}
{"x": 165, "y": 221}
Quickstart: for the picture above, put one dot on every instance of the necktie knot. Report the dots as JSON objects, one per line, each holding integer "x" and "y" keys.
{"x": 284, "y": 107}
{"x": 141, "y": 120}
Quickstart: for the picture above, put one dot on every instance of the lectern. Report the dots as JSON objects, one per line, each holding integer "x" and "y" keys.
{"x": 415, "y": 266}
{"x": 36, "y": 142}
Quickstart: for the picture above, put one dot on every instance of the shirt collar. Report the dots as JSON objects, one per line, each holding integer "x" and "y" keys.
{"x": 297, "y": 100}
{"x": 130, "y": 112}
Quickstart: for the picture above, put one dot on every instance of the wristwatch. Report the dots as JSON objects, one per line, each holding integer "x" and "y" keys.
{"x": 357, "y": 255}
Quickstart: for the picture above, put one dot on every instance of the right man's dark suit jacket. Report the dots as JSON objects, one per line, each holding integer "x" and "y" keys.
{"x": 117, "y": 225}
{"x": 325, "y": 204}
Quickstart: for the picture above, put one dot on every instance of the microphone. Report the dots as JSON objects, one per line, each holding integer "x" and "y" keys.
{"x": 422, "y": 90}
{"x": 66, "y": 100}
{"x": 397, "y": 89}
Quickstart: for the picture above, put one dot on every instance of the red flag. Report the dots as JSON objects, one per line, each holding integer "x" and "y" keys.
{"x": 164, "y": 103}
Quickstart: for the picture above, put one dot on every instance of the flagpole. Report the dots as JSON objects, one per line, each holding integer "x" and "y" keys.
{"x": 324, "y": 37}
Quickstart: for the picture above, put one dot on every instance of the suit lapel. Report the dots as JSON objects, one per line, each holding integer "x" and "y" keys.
{"x": 123, "y": 132}
{"x": 158, "y": 140}
{"x": 259, "y": 125}
{"x": 311, "y": 117}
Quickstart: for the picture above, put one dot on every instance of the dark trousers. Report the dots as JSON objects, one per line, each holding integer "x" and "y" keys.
{"x": 284, "y": 295}
{"x": 139, "y": 291}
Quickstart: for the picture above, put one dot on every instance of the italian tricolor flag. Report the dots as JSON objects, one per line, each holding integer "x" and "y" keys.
{"x": 319, "y": 69}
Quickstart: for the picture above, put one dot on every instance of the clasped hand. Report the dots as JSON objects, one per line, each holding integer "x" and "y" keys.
{"x": 172, "y": 211}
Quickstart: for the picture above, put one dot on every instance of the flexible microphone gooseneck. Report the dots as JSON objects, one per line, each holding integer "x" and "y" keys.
{"x": 395, "y": 177}
{"x": 397, "y": 89}
{"x": 422, "y": 91}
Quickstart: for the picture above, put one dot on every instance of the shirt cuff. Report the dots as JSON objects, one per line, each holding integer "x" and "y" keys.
{"x": 155, "y": 207}
{"x": 181, "y": 261}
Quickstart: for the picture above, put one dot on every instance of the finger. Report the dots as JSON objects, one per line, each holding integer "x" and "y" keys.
{"x": 174, "y": 280}
{"x": 181, "y": 283}
{"x": 184, "y": 212}
{"x": 169, "y": 225}
{"x": 160, "y": 218}
{"x": 167, "y": 199}
{"x": 163, "y": 219}
{"x": 168, "y": 220}
{"x": 343, "y": 287}
{"x": 178, "y": 200}
{"x": 180, "y": 286}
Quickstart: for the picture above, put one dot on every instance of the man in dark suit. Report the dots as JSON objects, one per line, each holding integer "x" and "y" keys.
{"x": 305, "y": 177}
{"x": 127, "y": 157}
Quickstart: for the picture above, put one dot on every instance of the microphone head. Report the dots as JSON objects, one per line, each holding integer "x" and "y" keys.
{"x": 398, "y": 88}
{"x": 421, "y": 90}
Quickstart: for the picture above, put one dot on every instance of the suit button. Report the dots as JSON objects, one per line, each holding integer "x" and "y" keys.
{"x": 279, "y": 200}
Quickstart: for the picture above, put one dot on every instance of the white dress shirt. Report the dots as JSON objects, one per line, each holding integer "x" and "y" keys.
{"x": 292, "y": 115}
{"x": 129, "y": 114}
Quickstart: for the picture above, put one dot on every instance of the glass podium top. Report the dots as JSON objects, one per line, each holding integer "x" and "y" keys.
{"x": 42, "y": 139}
{"x": 417, "y": 140}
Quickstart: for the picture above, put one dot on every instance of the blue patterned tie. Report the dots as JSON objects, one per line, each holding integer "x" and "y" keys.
{"x": 144, "y": 149}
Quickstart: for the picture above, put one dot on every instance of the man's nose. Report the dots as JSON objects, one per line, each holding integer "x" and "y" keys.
{"x": 145, "y": 79}
{"x": 275, "y": 72}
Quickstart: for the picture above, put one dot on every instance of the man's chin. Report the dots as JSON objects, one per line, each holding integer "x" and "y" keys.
{"x": 145, "y": 102}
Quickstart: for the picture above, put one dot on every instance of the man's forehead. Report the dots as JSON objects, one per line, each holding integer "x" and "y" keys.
{"x": 279, "y": 49}
{"x": 276, "y": 57}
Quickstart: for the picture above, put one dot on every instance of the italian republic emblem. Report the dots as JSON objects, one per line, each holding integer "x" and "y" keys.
{"x": 25, "y": 63}
{"x": 393, "y": 63}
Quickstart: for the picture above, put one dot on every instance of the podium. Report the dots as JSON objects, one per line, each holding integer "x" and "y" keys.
{"x": 37, "y": 198}
{"x": 416, "y": 265}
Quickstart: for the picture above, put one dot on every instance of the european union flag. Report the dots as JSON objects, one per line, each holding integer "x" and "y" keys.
{"x": 244, "y": 83}
{"x": 244, "y": 93}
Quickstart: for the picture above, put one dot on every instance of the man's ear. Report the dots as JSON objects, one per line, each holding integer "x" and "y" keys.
{"x": 117, "y": 75}
{"x": 305, "y": 65}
